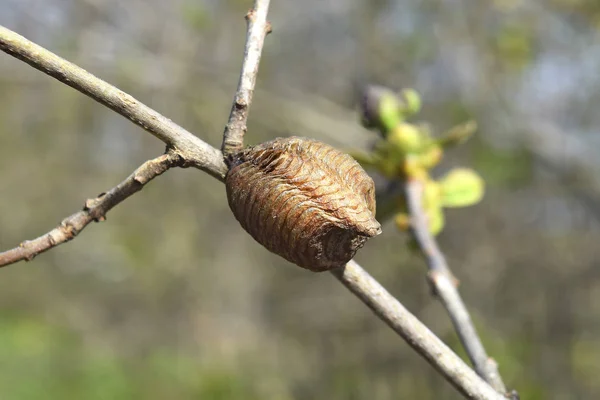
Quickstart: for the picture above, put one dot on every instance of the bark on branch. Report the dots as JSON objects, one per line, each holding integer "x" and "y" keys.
{"x": 444, "y": 285}
{"x": 93, "y": 210}
{"x": 258, "y": 28}
{"x": 417, "y": 335}
{"x": 195, "y": 152}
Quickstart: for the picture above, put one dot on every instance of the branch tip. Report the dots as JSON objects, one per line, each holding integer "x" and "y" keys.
{"x": 94, "y": 210}
{"x": 257, "y": 29}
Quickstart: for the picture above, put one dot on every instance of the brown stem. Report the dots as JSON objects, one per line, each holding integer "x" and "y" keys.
{"x": 258, "y": 28}
{"x": 195, "y": 152}
{"x": 444, "y": 285}
{"x": 94, "y": 210}
{"x": 417, "y": 335}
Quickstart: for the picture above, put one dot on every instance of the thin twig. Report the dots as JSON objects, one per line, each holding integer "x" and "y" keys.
{"x": 417, "y": 335}
{"x": 444, "y": 285}
{"x": 258, "y": 28}
{"x": 191, "y": 151}
{"x": 195, "y": 152}
{"x": 94, "y": 210}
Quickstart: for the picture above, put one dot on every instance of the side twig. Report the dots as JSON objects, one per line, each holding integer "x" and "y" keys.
{"x": 417, "y": 335}
{"x": 195, "y": 152}
{"x": 94, "y": 210}
{"x": 444, "y": 285}
{"x": 258, "y": 28}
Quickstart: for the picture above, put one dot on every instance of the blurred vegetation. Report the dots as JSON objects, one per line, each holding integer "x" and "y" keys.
{"x": 408, "y": 152}
{"x": 169, "y": 298}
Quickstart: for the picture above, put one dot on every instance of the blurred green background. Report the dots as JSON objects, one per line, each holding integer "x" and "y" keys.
{"x": 169, "y": 298}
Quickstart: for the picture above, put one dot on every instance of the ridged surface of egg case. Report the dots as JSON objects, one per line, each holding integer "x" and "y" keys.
{"x": 303, "y": 200}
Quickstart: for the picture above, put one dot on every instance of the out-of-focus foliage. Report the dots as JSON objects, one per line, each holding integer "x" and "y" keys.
{"x": 44, "y": 361}
{"x": 461, "y": 187}
{"x": 407, "y": 151}
{"x": 169, "y": 298}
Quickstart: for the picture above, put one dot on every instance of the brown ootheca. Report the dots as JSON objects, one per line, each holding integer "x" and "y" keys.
{"x": 304, "y": 200}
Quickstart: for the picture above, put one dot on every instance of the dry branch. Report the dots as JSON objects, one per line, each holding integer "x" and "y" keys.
{"x": 195, "y": 152}
{"x": 191, "y": 151}
{"x": 444, "y": 285}
{"x": 417, "y": 335}
{"x": 94, "y": 210}
{"x": 258, "y": 28}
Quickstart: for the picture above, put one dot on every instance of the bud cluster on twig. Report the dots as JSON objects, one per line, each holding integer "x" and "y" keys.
{"x": 408, "y": 151}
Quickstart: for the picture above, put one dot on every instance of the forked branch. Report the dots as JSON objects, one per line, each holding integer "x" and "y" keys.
{"x": 191, "y": 151}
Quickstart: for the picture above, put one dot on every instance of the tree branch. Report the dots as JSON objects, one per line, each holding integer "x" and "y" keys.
{"x": 195, "y": 152}
{"x": 258, "y": 28}
{"x": 444, "y": 285}
{"x": 187, "y": 150}
{"x": 94, "y": 210}
{"x": 417, "y": 335}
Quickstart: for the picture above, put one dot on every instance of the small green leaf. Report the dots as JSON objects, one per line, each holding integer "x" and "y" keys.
{"x": 461, "y": 187}
{"x": 389, "y": 115}
{"x": 412, "y": 102}
{"x": 406, "y": 138}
